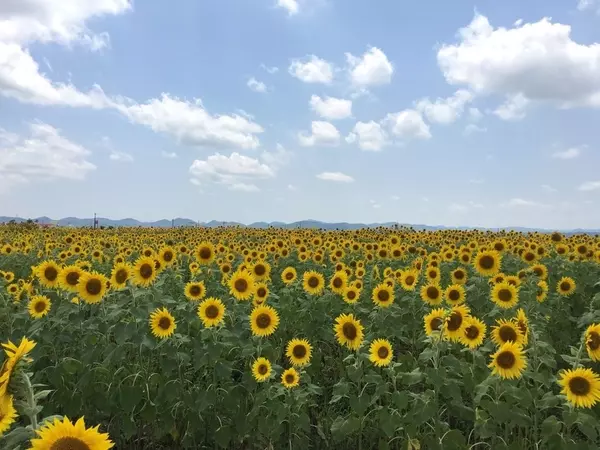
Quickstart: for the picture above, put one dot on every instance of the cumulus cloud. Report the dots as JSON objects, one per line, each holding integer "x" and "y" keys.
{"x": 322, "y": 133}
{"x": 513, "y": 108}
{"x": 270, "y": 69}
{"x": 570, "y": 153}
{"x": 520, "y": 63}
{"x": 472, "y": 129}
{"x": 256, "y": 86}
{"x": 312, "y": 69}
{"x": 371, "y": 69}
{"x": 236, "y": 171}
{"x": 278, "y": 158}
{"x": 43, "y": 155}
{"x": 331, "y": 108}
{"x": 290, "y": 5}
{"x": 335, "y": 176}
{"x": 590, "y": 186}
{"x": 369, "y": 135}
{"x": 120, "y": 156}
{"x": 445, "y": 110}
{"x": 407, "y": 124}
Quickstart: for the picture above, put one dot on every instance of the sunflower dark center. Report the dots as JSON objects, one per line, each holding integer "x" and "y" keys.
{"x": 69, "y": 443}
{"x": 486, "y": 262}
{"x": 299, "y": 351}
{"x": 289, "y": 378}
{"x": 313, "y": 282}
{"x": 263, "y": 321}
{"x": 146, "y": 271}
{"x": 593, "y": 340}
{"x": 164, "y": 323}
{"x": 507, "y": 333}
{"x": 93, "y": 286}
{"x": 382, "y": 352}
{"x": 121, "y": 276}
{"x": 168, "y": 256}
{"x": 383, "y": 296}
{"x": 579, "y": 386}
{"x": 472, "y": 332}
{"x": 205, "y": 253}
{"x": 289, "y": 275}
{"x": 263, "y": 369}
{"x": 337, "y": 282}
{"x": 455, "y": 321}
{"x": 432, "y": 292}
{"x": 505, "y": 295}
{"x": 212, "y": 311}
{"x": 50, "y": 273}
{"x": 241, "y": 285}
{"x": 40, "y": 307}
{"x": 522, "y": 327}
{"x": 565, "y": 286}
{"x": 261, "y": 292}
{"x": 454, "y": 295}
{"x": 459, "y": 275}
{"x": 72, "y": 278}
{"x": 436, "y": 323}
{"x": 529, "y": 256}
{"x": 506, "y": 360}
{"x": 409, "y": 280}
{"x": 260, "y": 270}
{"x": 349, "y": 331}
{"x": 351, "y": 295}
{"x": 195, "y": 290}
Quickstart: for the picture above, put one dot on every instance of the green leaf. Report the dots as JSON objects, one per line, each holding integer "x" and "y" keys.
{"x": 454, "y": 440}
{"x": 401, "y": 399}
{"x": 223, "y": 436}
{"x": 550, "y": 427}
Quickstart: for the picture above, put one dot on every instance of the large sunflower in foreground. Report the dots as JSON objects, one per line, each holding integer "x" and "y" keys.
{"x": 261, "y": 369}
{"x": 455, "y": 294}
{"x": 14, "y": 354}
{"x": 565, "y": 286}
{"x": 338, "y": 282}
{"x": 351, "y": 294}
{"x": 459, "y": 276}
{"x": 434, "y": 321}
{"x": 456, "y": 321}
{"x": 205, "y": 253}
{"x": 592, "y": 341}
{"x": 144, "y": 272}
{"x": 241, "y": 285}
{"x": 195, "y": 290}
{"x": 290, "y": 378}
{"x": 299, "y": 352}
{"x": 507, "y": 331}
{"x": 264, "y": 320}
{"x": 313, "y": 282}
{"x": 581, "y": 386}
{"x": 69, "y": 277}
{"x": 48, "y": 272}
{"x": 381, "y": 353}
{"x": 65, "y": 435}
{"x": 162, "y": 323}
{"x": 505, "y": 295}
{"x": 92, "y": 287}
{"x": 8, "y": 413}
{"x": 431, "y": 294}
{"x": 260, "y": 270}
{"x": 509, "y": 361}
{"x": 348, "y": 331}
{"x": 383, "y": 295}
{"x": 39, "y": 306}
{"x": 211, "y": 311}
{"x": 474, "y": 333}
{"x": 487, "y": 263}
{"x": 121, "y": 272}
{"x": 289, "y": 275}
{"x": 409, "y": 279}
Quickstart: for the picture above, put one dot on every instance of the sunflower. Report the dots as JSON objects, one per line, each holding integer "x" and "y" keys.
{"x": 263, "y": 320}
{"x": 241, "y": 285}
{"x": 540, "y": 270}
{"x": 144, "y": 272}
{"x": 455, "y": 323}
{"x": 508, "y": 361}
{"x": 289, "y": 275}
{"x": 381, "y": 353}
{"x": 433, "y": 275}
{"x": 506, "y": 331}
{"x": 39, "y": 306}
{"x": 195, "y": 290}
{"x": 338, "y": 282}
{"x": 69, "y": 277}
{"x": 261, "y": 293}
{"x": 261, "y": 270}
{"x": 505, "y": 295}
{"x": 542, "y": 291}
{"x": 383, "y": 295}
{"x": 121, "y": 272}
{"x": 431, "y": 294}
{"x": 434, "y": 321}
{"x": 351, "y": 294}
{"x": 92, "y": 287}
{"x": 64, "y": 435}
{"x": 299, "y": 352}
{"x": 455, "y": 294}
{"x": 348, "y": 331}
{"x": 581, "y": 386}
{"x": 8, "y": 413}
{"x": 162, "y": 323}
{"x": 205, "y": 253}
{"x": 261, "y": 369}
{"x": 487, "y": 263}
{"x": 48, "y": 273}
{"x": 408, "y": 279}
{"x": 14, "y": 354}
{"x": 167, "y": 256}
{"x": 290, "y": 378}
{"x": 565, "y": 286}
{"x": 592, "y": 341}
{"x": 523, "y": 324}
{"x": 474, "y": 333}
{"x": 459, "y": 276}
{"x": 211, "y": 311}
{"x": 313, "y": 282}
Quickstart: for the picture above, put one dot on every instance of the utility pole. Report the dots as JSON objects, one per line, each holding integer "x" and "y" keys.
{"x": 172, "y": 223}
{"x": 95, "y": 221}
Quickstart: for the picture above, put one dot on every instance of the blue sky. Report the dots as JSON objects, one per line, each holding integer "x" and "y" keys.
{"x": 457, "y": 113}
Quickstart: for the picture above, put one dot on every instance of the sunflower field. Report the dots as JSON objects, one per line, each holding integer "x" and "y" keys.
{"x": 238, "y": 338}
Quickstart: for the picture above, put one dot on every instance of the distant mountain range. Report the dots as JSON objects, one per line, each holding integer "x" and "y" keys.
{"x": 180, "y": 222}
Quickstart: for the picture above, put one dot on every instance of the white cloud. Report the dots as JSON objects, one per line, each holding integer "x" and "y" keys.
{"x": 372, "y": 68}
{"x": 290, "y": 5}
{"x": 244, "y": 187}
{"x": 472, "y": 129}
{"x": 475, "y": 114}
{"x": 370, "y": 136}
{"x": 331, "y": 108}
{"x": 548, "y": 188}
{"x": 584, "y": 5}
{"x": 278, "y": 158}
{"x": 270, "y": 69}
{"x": 513, "y": 108}
{"x": 256, "y": 86}
{"x": 191, "y": 124}
{"x": 312, "y": 69}
{"x": 120, "y": 156}
{"x": 322, "y": 133}
{"x": 237, "y": 171}
{"x": 570, "y": 153}
{"x": 445, "y": 110}
{"x": 590, "y": 186}
{"x": 41, "y": 156}
{"x": 168, "y": 155}
{"x": 521, "y": 63}
{"x": 335, "y": 176}
{"x": 408, "y": 124}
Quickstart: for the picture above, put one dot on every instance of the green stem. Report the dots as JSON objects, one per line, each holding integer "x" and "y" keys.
{"x": 30, "y": 397}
